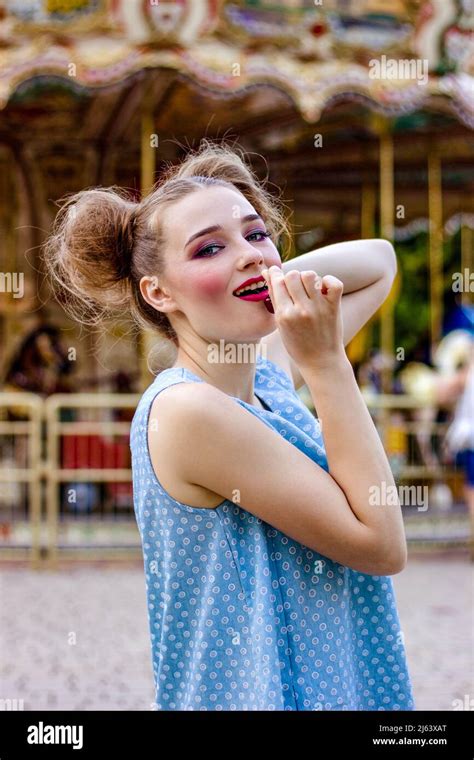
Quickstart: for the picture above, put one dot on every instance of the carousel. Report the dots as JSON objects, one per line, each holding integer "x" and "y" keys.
{"x": 360, "y": 111}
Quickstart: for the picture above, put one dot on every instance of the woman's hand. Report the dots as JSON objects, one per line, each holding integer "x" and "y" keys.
{"x": 308, "y": 314}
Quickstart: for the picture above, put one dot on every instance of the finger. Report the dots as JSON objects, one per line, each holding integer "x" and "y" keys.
{"x": 268, "y": 280}
{"x": 295, "y": 287}
{"x": 310, "y": 280}
{"x": 332, "y": 288}
{"x": 279, "y": 293}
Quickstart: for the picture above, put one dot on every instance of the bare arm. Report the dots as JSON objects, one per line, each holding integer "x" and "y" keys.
{"x": 226, "y": 449}
{"x": 356, "y": 457}
{"x": 357, "y": 263}
{"x": 366, "y": 267}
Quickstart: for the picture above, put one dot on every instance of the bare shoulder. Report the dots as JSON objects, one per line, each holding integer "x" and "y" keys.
{"x": 190, "y": 410}
{"x": 178, "y": 414}
{"x": 186, "y": 401}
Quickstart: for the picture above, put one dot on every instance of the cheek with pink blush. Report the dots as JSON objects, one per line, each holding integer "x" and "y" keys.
{"x": 208, "y": 286}
{"x": 211, "y": 285}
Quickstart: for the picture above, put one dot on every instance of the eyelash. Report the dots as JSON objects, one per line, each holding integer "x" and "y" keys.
{"x": 201, "y": 254}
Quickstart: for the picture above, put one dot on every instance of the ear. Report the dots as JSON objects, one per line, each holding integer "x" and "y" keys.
{"x": 155, "y": 295}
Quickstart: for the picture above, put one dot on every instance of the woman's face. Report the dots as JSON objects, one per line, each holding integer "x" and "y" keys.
{"x": 205, "y": 266}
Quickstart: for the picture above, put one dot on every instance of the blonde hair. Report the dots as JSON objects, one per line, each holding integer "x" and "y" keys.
{"x": 103, "y": 242}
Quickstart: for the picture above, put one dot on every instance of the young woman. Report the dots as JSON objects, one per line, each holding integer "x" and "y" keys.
{"x": 267, "y": 563}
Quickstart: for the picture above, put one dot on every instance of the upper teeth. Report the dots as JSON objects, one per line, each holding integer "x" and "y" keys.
{"x": 253, "y": 286}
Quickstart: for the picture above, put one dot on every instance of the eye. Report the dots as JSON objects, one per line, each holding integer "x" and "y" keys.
{"x": 207, "y": 251}
{"x": 259, "y": 232}
{"x": 203, "y": 251}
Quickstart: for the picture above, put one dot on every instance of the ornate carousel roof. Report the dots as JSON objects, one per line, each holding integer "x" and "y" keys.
{"x": 280, "y": 76}
{"x": 84, "y": 84}
{"x": 310, "y": 51}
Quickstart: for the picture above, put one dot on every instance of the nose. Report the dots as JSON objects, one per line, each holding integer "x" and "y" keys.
{"x": 250, "y": 255}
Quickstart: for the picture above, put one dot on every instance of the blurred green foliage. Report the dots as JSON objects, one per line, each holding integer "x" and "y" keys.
{"x": 412, "y": 310}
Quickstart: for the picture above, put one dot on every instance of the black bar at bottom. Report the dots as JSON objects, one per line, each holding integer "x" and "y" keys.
{"x": 137, "y": 735}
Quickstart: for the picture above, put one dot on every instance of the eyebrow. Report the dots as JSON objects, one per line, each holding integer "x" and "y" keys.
{"x": 215, "y": 227}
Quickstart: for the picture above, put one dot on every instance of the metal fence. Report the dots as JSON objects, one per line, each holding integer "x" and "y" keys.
{"x": 66, "y": 481}
{"x": 72, "y": 452}
{"x": 20, "y": 475}
{"x": 89, "y": 500}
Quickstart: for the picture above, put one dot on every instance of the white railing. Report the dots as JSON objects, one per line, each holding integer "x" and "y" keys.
{"x": 71, "y": 453}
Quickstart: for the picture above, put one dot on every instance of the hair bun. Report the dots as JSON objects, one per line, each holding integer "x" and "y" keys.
{"x": 89, "y": 254}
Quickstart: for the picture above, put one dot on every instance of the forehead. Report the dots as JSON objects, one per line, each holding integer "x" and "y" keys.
{"x": 204, "y": 207}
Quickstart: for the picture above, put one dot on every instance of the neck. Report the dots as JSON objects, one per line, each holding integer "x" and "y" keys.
{"x": 231, "y": 371}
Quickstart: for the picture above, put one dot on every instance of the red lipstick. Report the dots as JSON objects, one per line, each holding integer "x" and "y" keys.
{"x": 258, "y": 293}
{"x": 249, "y": 282}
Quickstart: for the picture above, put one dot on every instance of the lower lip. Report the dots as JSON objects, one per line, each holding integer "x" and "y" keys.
{"x": 263, "y": 296}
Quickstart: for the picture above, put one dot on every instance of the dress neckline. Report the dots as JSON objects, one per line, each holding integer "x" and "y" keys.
{"x": 236, "y": 398}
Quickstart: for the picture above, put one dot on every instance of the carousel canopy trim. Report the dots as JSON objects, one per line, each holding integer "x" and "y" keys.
{"x": 313, "y": 54}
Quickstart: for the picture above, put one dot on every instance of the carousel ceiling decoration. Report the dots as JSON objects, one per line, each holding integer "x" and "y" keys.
{"x": 396, "y": 56}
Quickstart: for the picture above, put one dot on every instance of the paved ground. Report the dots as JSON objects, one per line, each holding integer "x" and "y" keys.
{"x": 78, "y": 639}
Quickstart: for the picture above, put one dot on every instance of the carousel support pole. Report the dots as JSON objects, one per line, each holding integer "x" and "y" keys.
{"x": 147, "y": 174}
{"x": 357, "y": 348}
{"x": 435, "y": 203}
{"x": 3, "y": 232}
{"x": 368, "y": 209}
{"x": 467, "y": 256}
{"x": 7, "y": 225}
{"x": 147, "y": 157}
{"x": 382, "y": 128}
{"x": 386, "y": 180}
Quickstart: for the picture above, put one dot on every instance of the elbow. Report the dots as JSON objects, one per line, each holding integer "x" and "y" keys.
{"x": 394, "y": 562}
{"x": 386, "y": 251}
{"x": 381, "y": 558}
{"x": 375, "y": 563}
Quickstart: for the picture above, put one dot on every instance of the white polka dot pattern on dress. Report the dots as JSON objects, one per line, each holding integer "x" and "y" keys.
{"x": 241, "y": 616}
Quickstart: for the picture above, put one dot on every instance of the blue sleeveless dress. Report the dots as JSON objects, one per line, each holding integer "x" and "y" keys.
{"x": 241, "y": 616}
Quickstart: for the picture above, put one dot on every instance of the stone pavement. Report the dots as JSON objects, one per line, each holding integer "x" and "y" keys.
{"x": 77, "y": 639}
